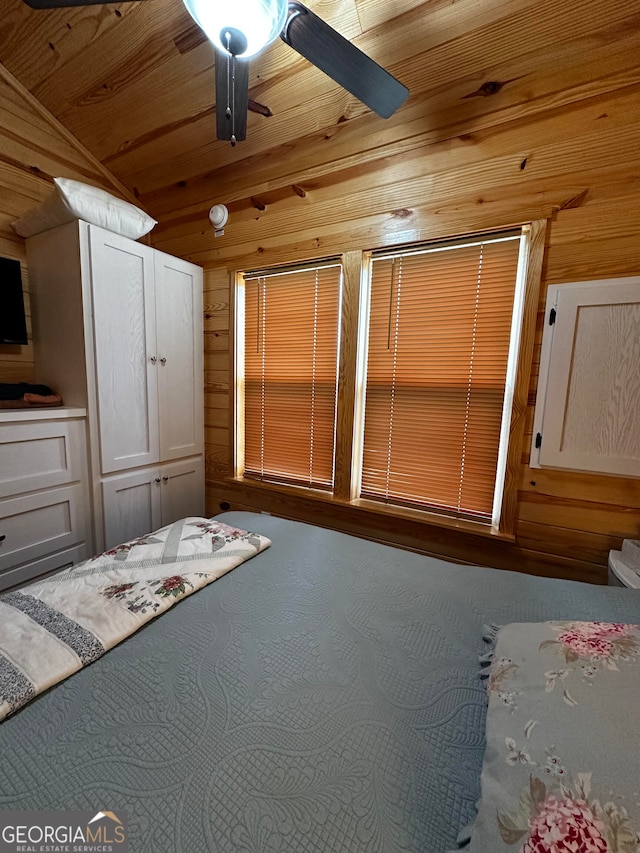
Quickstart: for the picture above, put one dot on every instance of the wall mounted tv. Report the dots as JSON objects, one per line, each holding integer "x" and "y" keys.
{"x": 13, "y": 323}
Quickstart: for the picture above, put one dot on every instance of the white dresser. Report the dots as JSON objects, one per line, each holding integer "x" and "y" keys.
{"x": 45, "y": 517}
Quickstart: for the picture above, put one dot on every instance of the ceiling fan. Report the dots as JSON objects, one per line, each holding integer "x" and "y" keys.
{"x": 240, "y": 29}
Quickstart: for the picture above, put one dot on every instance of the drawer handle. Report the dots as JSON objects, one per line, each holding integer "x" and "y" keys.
{"x": 166, "y": 479}
{"x": 157, "y": 479}
{"x": 163, "y": 360}
{"x": 153, "y": 359}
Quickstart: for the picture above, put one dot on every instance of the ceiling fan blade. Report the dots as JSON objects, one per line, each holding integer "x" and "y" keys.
{"x": 60, "y": 4}
{"x": 232, "y": 97}
{"x": 342, "y": 61}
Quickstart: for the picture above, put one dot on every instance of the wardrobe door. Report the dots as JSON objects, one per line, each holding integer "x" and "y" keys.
{"x": 588, "y": 401}
{"x": 182, "y": 489}
{"x": 132, "y": 505}
{"x": 180, "y": 356}
{"x": 126, "y": 368}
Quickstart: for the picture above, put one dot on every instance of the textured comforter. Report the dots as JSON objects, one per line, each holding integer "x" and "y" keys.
{"x": 323, "y": 696}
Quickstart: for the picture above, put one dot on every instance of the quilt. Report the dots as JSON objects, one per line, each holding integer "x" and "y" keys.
{"x": 53, "y": 628}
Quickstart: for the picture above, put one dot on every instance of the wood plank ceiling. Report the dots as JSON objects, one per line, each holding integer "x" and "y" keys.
{"x": 134, "y": 82}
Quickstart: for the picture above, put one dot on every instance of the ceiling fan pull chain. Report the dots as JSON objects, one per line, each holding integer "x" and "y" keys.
{"x": 227, "y": 112}
{"x": 231, "y": 68}
{"x": 231, "y": 86}
{"x": 233, "y": 100}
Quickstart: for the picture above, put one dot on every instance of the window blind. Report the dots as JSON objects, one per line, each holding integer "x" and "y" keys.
{"x": 290, "y": 375}
{"x": 439, "y": 333}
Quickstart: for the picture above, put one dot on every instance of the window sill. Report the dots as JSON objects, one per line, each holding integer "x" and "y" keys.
{"x": 434, "y": 519}
{"x": 326, "y": 499}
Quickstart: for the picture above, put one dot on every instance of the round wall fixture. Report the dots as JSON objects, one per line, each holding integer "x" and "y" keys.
{"x": 219, "y": 216}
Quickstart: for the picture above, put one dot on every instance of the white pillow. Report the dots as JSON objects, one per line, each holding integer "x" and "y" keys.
{"x": 74, "y": 200}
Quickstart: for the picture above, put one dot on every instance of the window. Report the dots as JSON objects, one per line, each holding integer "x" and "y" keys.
{"x": 289, "y": 372}
{"x": 426, "y": 362}
{"x": 439, "y": 340}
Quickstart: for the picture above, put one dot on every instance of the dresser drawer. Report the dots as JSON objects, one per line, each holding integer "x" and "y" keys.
{"x": 37, "y": 525}
{"x": 40, "y": 455}
{"x": 54, "y": 562}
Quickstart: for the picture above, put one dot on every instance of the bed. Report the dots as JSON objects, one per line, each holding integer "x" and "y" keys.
{"x": 325, "y": 695}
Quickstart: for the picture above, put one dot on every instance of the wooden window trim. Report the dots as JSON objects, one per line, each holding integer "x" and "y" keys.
{"x": 236, "y": 373}
{"x": 431, "y": 519}
{"x": 509, "y": 509}
{"x": 354, "y": 266}
{"x": 344, "y": 485}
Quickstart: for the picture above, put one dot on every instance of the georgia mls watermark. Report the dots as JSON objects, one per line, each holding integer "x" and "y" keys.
{"x": 63, "y": 832}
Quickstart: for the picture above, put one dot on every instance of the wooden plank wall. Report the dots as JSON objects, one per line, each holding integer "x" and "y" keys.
{"x": 34, "y": 148}
{"x": 538, "y": 117}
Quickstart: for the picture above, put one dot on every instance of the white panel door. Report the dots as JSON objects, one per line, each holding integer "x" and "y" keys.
{"x": 131, "y": 505}
{"x": 180, "y": 356}
{"x": 588, "y": 404}
{"x": 124, "y": 328}
{"x": 182, "y": 489}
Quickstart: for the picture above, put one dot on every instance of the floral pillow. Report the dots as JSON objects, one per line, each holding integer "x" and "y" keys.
{"x": 561, "y": 771}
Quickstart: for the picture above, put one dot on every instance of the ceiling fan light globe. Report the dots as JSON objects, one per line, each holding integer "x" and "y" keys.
{"x": 260, "y": 21}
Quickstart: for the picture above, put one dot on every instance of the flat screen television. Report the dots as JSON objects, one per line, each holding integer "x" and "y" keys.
{"x": 13, "y": 323}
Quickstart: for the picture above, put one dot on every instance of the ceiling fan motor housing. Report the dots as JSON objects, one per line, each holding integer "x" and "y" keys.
{"x": 258, "y": 22}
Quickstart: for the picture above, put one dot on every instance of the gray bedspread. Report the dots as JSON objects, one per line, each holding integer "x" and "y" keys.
{"x": 323, "y": 696}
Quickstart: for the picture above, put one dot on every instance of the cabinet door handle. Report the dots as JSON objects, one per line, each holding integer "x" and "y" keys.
{"x": 166, "y": 479}
{"x": 153, "y": 359}
{"x": 157, "y": 479}
{"x": 2, "y": 537}
{"x": 163, "y": 360}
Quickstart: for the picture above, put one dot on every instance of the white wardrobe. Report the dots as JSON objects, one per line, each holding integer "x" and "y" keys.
{"x": 118, "y": 330}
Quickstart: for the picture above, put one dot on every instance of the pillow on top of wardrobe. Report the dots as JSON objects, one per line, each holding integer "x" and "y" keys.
{"x": 75, "y": 200}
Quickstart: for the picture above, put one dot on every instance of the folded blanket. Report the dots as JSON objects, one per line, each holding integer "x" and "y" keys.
{"x": 21, "y": 395}
{"x": 53, "y": 628}
{"x": 17, "y": 390}
{"x": 43, "y": 399}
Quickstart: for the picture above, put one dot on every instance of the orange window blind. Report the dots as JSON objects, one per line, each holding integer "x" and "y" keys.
{"x": 290, "y": 381}
{"x": 439, "y": 336}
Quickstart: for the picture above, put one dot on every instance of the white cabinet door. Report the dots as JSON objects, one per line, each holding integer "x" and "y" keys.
{"x": 131, "y": 505}
{"x": 182, "y": 489}
{"x": 124, "y": 328}
{"x": 180, "y": 356}
{"x": 588, "y": 402}
{"x": 141, "y": 501}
